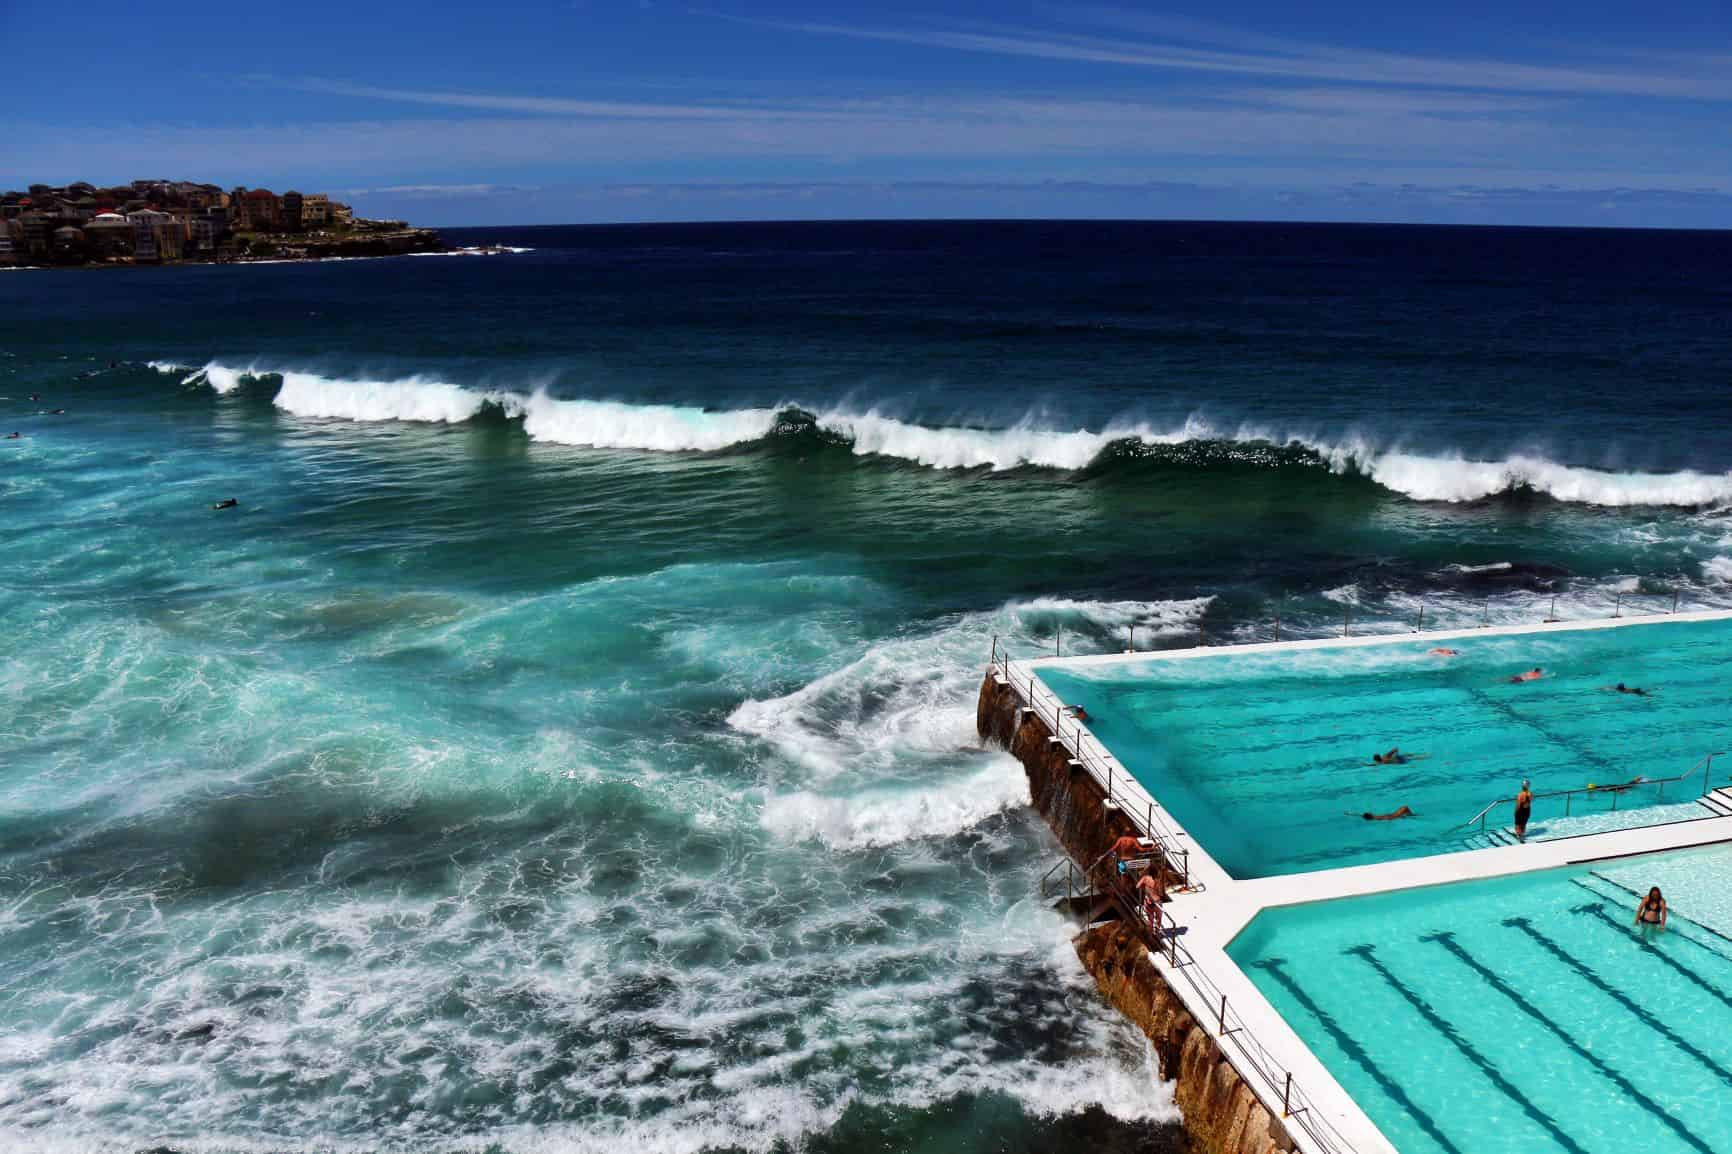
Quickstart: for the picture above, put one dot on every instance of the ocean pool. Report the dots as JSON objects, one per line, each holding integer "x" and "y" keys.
{"x": 1265, "y": 757}
{"x": 1519, "y": 1014}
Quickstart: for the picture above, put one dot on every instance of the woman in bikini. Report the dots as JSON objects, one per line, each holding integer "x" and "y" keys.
{"x": 1651, "y": 914}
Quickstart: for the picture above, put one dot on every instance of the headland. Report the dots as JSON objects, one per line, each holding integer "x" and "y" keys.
{"x": 82, "y": 225}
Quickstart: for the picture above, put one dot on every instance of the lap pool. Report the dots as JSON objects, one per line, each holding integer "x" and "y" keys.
{"x": 1265, "y": 756}
{"x": 1521, "y": 1014}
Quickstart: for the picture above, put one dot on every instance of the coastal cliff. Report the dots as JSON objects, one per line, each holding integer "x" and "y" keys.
{"x": 1221, "y": 1113}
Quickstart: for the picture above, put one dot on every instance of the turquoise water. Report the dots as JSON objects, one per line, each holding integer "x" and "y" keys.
{"x": 1521, "y": 1014}
{"x": 567, "y": 747}
{"x": 1266, "y": 757}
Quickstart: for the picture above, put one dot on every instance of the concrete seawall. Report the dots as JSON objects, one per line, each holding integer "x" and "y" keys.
{"x": 1221, "y": 1113}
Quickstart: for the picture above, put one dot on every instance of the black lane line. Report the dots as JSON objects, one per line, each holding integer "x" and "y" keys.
{"x": 1638, "y": 1011}
{"x": 1448, "y": 942}
{"x": 1671, "y": 915}
{"x": 1352, "y": 1048}
{"x": 1683, "y": 971}
{"x": 1437, "y": 1022}
{"x": 1509, "y": 711}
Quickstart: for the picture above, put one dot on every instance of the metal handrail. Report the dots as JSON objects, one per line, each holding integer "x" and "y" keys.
{"x": 1706, "y": 766}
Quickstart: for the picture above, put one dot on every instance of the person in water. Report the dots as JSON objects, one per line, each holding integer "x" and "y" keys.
{"x": 12, "y": 436}
{"x": 228, "y": 504}
{"x": 1077, "y": 712}
{"x": 1442, "y": 651}
{"x": 1393, "y": 757}
{"x": 1651, "y": 914}
{"x": 1524, "y": 808}
{"x": 1533, "y": 674}
{"x": 1633, "y": 690}
{"x": 1392, "y": 815}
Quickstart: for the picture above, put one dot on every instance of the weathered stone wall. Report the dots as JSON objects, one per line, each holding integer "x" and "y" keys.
{"x": 1221, "y": 1113}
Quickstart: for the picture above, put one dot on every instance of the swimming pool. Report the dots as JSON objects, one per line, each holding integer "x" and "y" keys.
{"x": 1519, "y": 1014}
{"x": 1265, "y": 756}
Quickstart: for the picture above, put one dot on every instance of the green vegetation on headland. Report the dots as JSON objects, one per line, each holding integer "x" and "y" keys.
{"x": 167, "y": 222}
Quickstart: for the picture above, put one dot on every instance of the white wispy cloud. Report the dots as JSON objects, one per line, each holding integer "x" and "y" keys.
{"x": 1171, "y": 45}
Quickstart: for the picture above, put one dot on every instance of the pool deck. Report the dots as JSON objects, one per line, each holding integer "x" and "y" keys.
{"x": 1218, "y": 907}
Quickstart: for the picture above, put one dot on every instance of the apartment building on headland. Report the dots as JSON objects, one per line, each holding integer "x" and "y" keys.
{"x": 150, "y": 221}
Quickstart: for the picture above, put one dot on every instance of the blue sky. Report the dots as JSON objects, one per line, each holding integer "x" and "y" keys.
{"x": 586, "y": 110}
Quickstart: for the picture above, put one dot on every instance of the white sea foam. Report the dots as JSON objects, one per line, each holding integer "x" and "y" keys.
{"x": 1718, "y": 570}
{"x": 616, "y": 425}
{"x": 413, "y": 399}
{"x": 1031, "y": 442}
{"x": 876, "y": 817}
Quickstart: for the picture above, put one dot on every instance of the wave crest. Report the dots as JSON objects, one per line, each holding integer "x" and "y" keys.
{"x": 1195, "y": 444}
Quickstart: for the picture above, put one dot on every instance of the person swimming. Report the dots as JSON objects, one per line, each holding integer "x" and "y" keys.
{"x": 1632, "y": 690}
{"x": 1392, "y": 815}
{"x": 1077, "y": 712}
{"x": 13, "y": 436}
{"x": 1393, "y": 757}
{"x": 1533, "y": 674}
{"x": 228, "y": 504}
{"x": 1651, "y": 914}
{"x": 1443, "y": 651}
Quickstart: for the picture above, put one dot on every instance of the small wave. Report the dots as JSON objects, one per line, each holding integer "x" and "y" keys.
{"x": 1195, "y": 444}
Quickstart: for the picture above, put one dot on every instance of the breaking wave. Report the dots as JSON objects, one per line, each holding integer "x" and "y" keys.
{"x": 1030, "y": 443}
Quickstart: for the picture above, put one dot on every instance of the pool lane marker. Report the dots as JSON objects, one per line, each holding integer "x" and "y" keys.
{"x": 1357, "y": 1052}
{"x": 1368, "y": 955}
{"x": 1647, "y": 1019}
{"x": 1446, "y": 939}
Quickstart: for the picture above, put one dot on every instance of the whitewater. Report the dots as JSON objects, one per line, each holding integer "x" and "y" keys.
{"x": 1448, "y": 477}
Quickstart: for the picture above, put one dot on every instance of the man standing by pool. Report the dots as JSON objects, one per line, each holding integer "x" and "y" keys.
{"x": 1524, "y": 807}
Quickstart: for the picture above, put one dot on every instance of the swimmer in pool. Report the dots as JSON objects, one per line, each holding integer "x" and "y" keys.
{"x": 1393, "y": 757}
{"x": 1533, "y": 674}
{"x": 1441, "y": 651}
{"x": 1651, "y": 914}
{"x": 1393, "y": 815}
{"x": 230, "y": 503}
{"x": 1632, "y": 690}
{"x": 1077, "y": 712}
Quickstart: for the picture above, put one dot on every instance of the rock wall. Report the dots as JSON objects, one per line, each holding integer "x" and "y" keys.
{"x": 1221, "y": 1113}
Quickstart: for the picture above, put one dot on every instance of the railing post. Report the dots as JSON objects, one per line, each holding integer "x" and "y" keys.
{"x": 1132, "y": 647}
{"x": 1287, "y": 1097}
{"x": 1552, "y": 615}
{"x": 1420, "y": 628}
{"x": 1618, "y": 606}
{"x": 1057, "y": 637}
{"x": 1223, "y": 1017}
{"x": 1485, "y": 614}
{"x": 1346, "y": 620}
{"x": 1277, "y": 623}
{"x": 1674, "y": 601}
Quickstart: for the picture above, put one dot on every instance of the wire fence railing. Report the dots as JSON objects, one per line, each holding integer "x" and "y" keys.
{"x": 1272, "y": 1082}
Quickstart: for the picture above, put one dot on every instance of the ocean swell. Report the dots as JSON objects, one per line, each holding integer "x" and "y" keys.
{"x": 1195, "y": 444}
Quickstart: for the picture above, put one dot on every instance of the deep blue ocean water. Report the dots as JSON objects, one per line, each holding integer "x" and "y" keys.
{"x": 567, "y": 743}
